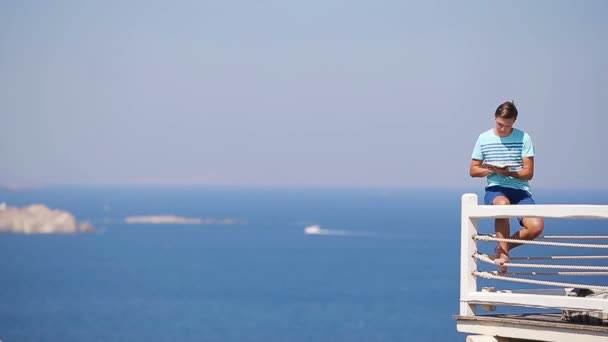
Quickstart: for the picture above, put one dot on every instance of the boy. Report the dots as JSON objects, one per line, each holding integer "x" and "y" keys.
{"x": 505, "y": 155}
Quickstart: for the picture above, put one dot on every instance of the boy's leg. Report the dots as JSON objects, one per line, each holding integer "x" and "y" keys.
{"x": 503, "y": 231}
{"x": 497, "y": 196}
{"x": 532, "y": 227}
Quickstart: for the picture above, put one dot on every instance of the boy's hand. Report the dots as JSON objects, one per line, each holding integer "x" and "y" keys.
{"x": 502, "y": 171}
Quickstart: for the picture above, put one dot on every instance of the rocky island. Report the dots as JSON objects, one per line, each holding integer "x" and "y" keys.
{"x": 39, "y": 219}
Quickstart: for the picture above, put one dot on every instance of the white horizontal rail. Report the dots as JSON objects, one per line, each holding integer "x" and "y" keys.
{"x": 563, "y": 211}
{"x": 537, "y": 301}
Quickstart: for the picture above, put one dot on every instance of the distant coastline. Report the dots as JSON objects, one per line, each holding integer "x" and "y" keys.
{"x": 39, "y": 219}
{"x": 19, "y": 186}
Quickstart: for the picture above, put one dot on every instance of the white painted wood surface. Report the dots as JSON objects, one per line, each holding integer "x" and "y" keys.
{"x": 537, "y": 301}
{"x": 485, "y": 338}
{"x": 468, "y": 282}
{"x": 572, "y": 211}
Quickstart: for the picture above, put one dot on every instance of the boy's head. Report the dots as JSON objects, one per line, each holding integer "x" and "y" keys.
{"x": 506, "y": 110}
{"x": 505, "y": 116}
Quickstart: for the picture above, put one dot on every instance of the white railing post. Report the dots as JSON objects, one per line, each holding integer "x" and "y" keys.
{"x": 468, "y": 246}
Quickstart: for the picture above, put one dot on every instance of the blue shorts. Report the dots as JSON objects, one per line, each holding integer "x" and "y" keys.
{"x": 515, "y": 196}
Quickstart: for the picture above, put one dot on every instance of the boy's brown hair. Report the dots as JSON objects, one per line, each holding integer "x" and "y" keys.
{"x": 506, "y": 110}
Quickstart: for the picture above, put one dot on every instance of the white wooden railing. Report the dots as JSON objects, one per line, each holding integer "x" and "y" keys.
{"x": 471, "y": 296}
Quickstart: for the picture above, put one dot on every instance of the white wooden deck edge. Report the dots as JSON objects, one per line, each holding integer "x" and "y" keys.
{"x": 522, "y": 331}
{"x": 537, "y": 301}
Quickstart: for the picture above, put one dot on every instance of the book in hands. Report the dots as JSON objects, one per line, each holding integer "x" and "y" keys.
{"x": 498, "y": 165}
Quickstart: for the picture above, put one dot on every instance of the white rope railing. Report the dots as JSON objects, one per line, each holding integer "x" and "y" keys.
{"x": 512, "y": 276}
{"x": 486, "y": 258}
{"x": 496, "y": 275}
{"x": 560, "y": 257}
{"x": 574, "y": 237}
{"x": 484, "y": 237}
{"x": 516, "y": 274}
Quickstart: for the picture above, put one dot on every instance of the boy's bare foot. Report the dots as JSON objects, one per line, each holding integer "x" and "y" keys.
{"x": 502, "y": 257}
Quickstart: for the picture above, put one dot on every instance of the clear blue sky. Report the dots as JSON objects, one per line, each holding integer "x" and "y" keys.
{"x": 319, "y": 92}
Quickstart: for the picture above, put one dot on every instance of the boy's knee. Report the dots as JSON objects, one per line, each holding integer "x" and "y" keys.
{"x": 501, "y": 200}
{"x": 534, "y": 225}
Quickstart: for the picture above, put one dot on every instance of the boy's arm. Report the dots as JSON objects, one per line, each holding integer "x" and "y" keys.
{"x": 477, "y": 170}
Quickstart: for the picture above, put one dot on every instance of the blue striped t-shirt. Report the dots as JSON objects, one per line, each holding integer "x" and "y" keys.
{"x": 506, "y": 150}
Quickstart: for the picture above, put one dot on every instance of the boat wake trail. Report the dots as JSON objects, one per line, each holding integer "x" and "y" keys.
{"x": 317, "y": 230}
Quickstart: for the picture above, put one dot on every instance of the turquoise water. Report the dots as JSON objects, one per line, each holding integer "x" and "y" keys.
{"x": 391, "y": 275}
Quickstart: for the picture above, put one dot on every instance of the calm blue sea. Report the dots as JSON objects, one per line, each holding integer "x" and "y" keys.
{"x": 391, "y": 274}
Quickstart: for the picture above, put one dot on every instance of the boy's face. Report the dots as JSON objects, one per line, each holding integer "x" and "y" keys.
{"x": 504, "y": 127}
